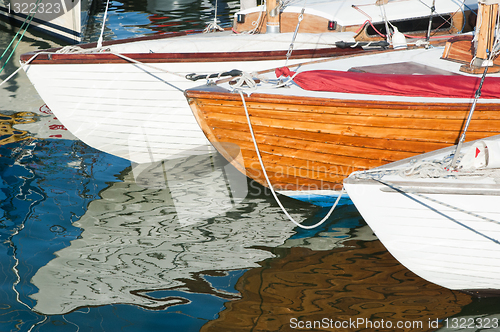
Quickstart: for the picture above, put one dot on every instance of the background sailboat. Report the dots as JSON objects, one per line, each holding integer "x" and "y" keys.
{"x": 65, "y": 20}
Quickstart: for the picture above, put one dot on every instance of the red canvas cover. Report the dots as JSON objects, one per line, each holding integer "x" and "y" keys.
{"x": 440, "y": 86}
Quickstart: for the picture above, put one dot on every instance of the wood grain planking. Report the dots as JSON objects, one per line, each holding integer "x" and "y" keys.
{"x": 309, "y": 24}
{"x": 282, "y": 140}
{"x": 341, "y": 109}
{"x": 459, "y": 50}
{"x": 318, "y": 119}
{"x": 399, "y": 144}
{"x": 298, "y": 157}
{"x": 391, "y": 131}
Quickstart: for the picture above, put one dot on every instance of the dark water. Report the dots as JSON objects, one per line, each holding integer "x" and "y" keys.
{"x": 87, "y": 244}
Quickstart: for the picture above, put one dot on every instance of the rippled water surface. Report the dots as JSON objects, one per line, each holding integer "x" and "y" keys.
{"x": 90, "y": 243}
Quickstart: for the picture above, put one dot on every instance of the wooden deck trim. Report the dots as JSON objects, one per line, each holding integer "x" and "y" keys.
{"x": 166, "y": 35}
{"x": 103, "y": 58}
{"x": 227, "y": 95}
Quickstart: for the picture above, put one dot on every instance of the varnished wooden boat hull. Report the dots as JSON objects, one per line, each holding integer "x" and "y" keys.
{"x": 314, "y": 143}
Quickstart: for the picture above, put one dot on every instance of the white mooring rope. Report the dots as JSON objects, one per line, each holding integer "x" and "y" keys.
{"x": 269, "y": 182}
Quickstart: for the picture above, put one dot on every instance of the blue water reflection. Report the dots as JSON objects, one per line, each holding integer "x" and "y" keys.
{"x": 84, "y": 246}
{"x": 45, "y": 186}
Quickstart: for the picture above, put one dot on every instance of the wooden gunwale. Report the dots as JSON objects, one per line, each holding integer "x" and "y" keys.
{"x": 164, "y": 35}
{"x": 299, "y": 139}
{"x": 343, "y": 106}
{"x": 103, "y": 58}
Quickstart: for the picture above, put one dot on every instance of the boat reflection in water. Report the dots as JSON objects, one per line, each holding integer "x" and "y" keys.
{"x": 146, "y": 234}
{"x": 359, "y": 282}
{"x": 192, "y": 249}
{"x": 148, "y": 244}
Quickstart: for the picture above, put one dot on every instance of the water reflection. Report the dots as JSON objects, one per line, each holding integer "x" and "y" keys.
{"x": 358, "y": 281}
{"x": 86, "y": 235}
{"x": 136, "y": 239}
{"x": 18, "y": 95}
{"x": 135, "y": 18}
{"x": 44, "y": 186}
{"x": 41, "y": 123}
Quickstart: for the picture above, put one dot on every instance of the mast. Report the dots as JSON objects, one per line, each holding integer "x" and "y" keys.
{"x": 273, "y": 17}
{"x": 485, "y": 29}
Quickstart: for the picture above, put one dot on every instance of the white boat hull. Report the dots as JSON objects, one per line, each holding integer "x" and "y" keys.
{"x": 446, "y": 231}
{"x": 138, "y": 111}
{"x": 123, "y": 110}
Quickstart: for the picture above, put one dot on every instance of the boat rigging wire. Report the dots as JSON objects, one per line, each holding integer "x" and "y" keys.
{"x": 438, "y": 172}
{"x": 99, "y": 42}
{"x": 477, "y": 95}
{"x": 408, "y": 192}
{"x": 469, "y": 117}
{"x": 433, "y": 10}
{"x": 213, "y": 26}
{"x": 27, "y": 22}
{"x": 445, "y": 20}
{"x": 301, "y": 17}
{"x": 386, "y": 22}
{"x": 269, "y": 182}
